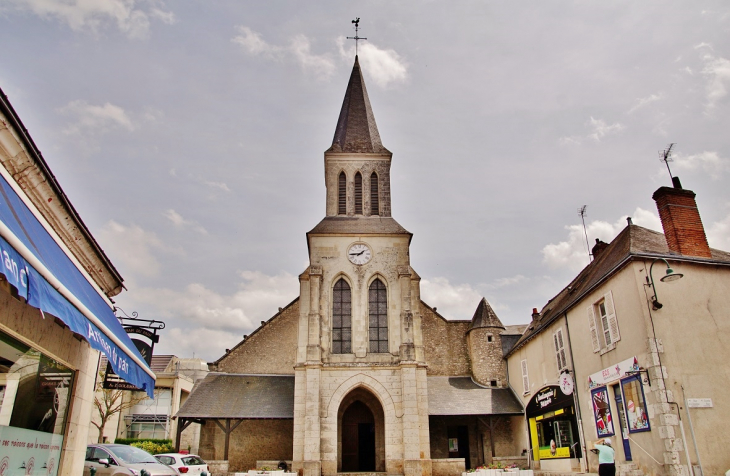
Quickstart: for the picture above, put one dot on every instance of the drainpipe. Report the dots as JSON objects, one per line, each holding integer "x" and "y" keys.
{"x": 581, "y": 436}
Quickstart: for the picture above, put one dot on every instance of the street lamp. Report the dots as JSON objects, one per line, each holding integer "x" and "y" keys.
{"x": 669, "y": 276}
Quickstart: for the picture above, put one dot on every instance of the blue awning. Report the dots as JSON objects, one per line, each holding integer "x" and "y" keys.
{"x": 58, "y": 287}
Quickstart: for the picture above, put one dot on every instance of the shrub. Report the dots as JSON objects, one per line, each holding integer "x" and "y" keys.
{"x": 152, "y": 446}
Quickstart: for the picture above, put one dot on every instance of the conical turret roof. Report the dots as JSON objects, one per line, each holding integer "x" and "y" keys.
{"x": 485, "y": 317}
{"x": 356, "y": 129}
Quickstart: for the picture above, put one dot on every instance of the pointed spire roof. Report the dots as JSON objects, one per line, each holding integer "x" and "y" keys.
{"x": 485, "y": 317}
{"x": 356, "y": 129}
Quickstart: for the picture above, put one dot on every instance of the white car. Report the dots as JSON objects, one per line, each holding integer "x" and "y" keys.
{"x": 190, "y": 465}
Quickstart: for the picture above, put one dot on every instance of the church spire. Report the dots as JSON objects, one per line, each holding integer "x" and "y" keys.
{"x": 356, "y": 130}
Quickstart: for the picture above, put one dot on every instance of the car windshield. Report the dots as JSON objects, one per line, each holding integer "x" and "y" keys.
{"x": 132, "y": 455}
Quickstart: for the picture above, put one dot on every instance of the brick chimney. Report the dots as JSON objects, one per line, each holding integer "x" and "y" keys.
{"x": 681, "y": 221}
{"x": 598, "y": 248}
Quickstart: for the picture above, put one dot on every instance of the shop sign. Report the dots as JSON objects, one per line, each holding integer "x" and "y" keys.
{"x": 549, "y": 398}
{"x": 699, "y": 402}
{"x": 614, "y": 373}
{"x": 28, "y": 452}
{"x": 553, "y": 452}
{"x": 566, "y": 383}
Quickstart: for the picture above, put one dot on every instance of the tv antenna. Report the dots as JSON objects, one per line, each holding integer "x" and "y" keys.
{"x": 582, "y": 213}
{"x": 666, "y": 157}
{"x": 356, "y": 21}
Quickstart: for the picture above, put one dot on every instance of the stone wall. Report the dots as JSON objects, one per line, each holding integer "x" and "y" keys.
{"x": 448, "y": 467}
{"x": 488, "y": 364}
{"x": 270, "y": 349}
{"x": 480, "y": 445}
{"x": 444, "y": 342}
{"x": 251, "y": 441}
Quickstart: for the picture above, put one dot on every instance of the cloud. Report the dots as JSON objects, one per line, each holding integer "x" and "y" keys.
{"x": 200, "y": 342}
{"x": 182, "y": 223}
{"x": 298, "y": 49}
{"x": 572, "y": 252}
{"x": 599, "y": 130}
{"x": 92, "y": 15}
{"x": 709, "y": 161}
{"x": 718, "y": 234}
{"x": 717, "y": 73}
{"x": 641, "y": 102}
{"x": 133, "y": 247}
{"x": 385, "y": 67}
{"x": 453, "y": 301}
{"x": 91, "y": 119}
{"x": 219, "y": 185}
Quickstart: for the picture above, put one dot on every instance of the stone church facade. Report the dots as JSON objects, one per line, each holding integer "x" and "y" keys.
{"x": 358, "y": 373}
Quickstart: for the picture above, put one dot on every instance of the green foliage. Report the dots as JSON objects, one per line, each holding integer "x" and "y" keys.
{"x": 152, "y": 446}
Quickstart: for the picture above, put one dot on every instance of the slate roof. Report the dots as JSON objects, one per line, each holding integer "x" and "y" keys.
{"x": 356, "y": 129}
{"x": 634, "y": 242}
{"x": 361, "y": 225}
{"x": 485, "y": 316}
{"x": 461, "y": 396}
{"x": 159, "y": 362}
{"x": 241, "y": 396}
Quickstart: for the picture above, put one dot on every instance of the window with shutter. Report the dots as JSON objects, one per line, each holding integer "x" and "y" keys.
{"x": 342, "y": 194}
{"x": 378, "y": 317}
{"x": 341, "y": 318}
{"x": 525, "y": 379}
{"x": 374, "y": 198}
{"x": 593, "y": 329}
{"x": 358, "y": 194}
{"x": 560, "y": 350}
{"x": 611, "y": 317}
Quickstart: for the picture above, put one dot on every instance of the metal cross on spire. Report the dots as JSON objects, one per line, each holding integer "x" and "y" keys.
{"x": 356, "y": 21}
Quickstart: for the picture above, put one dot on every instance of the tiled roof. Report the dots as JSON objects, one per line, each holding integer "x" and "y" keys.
{"x": 461, "y": 396}
{"x": 485, "y": 316}
{"x": 633, "y": 242}
{"x": 372, "y": 225}
{"x": 356, "y": 129}
{"x": 241, "y": 396}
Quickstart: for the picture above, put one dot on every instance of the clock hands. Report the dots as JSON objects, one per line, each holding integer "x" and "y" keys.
{"x": 358, "y": 254}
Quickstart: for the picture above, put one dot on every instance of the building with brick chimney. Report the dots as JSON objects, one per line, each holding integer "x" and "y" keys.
{"x": 633, "y": 353}
{"x": 358, "y": 374}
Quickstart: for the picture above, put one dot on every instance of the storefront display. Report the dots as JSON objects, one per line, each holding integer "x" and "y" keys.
{"x": 602, "y": 412}
{"x": 35, "y": 395}
{"x": 553, "y": 424}
{"x": 635, "y": 405}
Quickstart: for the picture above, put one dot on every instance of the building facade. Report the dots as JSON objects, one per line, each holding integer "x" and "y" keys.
{"x": 55, "y": 314}
{"x": 630, "y": 351}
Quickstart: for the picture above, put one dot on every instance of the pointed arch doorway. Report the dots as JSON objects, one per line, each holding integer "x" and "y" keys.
{"x": 360, "y": 433}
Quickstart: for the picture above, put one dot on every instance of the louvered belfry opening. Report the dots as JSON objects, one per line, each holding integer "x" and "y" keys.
{"x": 342, "y": 195}
{"x": 374, "y": 202}
{"x": 378, "y": 316}
{"x": 358, "y": 194}
{"x": 341, "y": 318}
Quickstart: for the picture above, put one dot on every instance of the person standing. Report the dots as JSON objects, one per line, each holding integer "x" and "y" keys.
{"x": 606, "y": 457}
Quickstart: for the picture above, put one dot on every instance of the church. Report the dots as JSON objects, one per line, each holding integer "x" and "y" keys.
{"x": 358, "y": 374}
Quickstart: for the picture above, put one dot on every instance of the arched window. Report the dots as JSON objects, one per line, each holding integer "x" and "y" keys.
{"x": 374, "y": 199}
{"x": 342, "y": 194}
{"x": 378, "y": 311}
{"x": 358, "y": 194}
{"x": 341, "y": 318}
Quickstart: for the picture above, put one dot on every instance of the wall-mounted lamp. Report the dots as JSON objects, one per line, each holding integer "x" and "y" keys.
{"x": 669, "y": 276}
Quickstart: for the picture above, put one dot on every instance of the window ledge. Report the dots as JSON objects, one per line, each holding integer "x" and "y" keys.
{"x": 608, "y": 348}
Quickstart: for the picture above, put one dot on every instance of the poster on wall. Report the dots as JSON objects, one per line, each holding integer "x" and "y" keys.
{"x": 635, "y": 405}
{"x": 602, "y": 412}
{"x": 453, "y": 445}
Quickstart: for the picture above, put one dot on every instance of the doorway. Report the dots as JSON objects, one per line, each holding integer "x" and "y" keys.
{"x": 361, "y": 433}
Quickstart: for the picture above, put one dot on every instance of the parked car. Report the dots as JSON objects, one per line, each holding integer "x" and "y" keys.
{"x": 123, "y": 460}
{"x": 190, "y": 465}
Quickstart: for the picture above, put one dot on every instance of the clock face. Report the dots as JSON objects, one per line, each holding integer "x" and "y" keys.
{"x": 359, "y": 254}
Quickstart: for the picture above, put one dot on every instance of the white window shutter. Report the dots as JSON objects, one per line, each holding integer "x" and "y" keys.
{"x": 611, "y": 317}
{"x": 559, "y": 349}
{"x": 594, "y": 332}
{"x": 525, "y": 379}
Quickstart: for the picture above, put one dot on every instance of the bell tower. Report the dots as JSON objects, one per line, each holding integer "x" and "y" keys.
{"x": 360, "y": 359}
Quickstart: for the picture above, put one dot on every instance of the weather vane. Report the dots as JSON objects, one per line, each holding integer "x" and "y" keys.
{"x": 356, "y": 21}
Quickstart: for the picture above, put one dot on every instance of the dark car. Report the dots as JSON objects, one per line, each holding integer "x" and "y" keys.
{"x": 123, "y": 460}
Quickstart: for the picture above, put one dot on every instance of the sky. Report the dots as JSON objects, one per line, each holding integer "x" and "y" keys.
{"x": 190, "y": 136}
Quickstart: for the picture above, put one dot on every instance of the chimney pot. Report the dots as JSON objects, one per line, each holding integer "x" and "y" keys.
{"x": 535, "y": 314}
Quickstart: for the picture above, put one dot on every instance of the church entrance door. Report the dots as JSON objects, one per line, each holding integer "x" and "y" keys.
{"x": 358, "y": 438}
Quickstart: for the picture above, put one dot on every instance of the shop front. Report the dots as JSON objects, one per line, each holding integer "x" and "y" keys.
{"x": 554, "y": 436}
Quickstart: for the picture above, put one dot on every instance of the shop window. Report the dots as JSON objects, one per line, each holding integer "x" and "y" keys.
{"x": 602, "y": 412}
{"x": 525, "y": 379}
{"x": 559, "y": 345}
{"x": 635, "y": 404}
{"x": 603, "y": 324}
{"x": 36, "y": 392}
